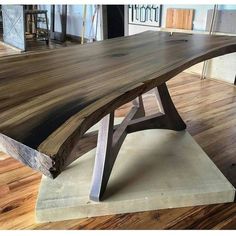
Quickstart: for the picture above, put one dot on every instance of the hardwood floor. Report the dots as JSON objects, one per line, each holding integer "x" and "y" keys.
{"x": 6, "y": 50}
{"x": 209, "y": 109}
{"x": 33, "y": 46}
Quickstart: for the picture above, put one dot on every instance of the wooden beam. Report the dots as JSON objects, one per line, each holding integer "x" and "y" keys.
{"x": 63, "y": 23}
{"x": 103, "y": 19}
{"x": 52, "y": 22}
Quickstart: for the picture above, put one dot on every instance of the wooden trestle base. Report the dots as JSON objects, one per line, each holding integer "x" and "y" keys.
{"x": 110, "y": 137}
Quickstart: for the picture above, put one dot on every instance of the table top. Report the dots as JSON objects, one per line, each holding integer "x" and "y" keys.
{"x": 49, "y": 97}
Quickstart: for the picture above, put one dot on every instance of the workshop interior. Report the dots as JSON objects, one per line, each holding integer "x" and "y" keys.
{"x": 117, "y": 116}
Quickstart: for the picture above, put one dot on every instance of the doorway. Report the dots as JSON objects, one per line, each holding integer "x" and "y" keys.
{"x": 115, "y": 21}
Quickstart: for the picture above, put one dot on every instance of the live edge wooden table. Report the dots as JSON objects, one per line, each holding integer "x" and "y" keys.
{"x": 48, "y": 100}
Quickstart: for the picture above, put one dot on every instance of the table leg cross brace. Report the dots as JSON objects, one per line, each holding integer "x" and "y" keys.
{"x": 110, "y": 139}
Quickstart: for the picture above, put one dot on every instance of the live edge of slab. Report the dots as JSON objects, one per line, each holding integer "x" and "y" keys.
{"x": 155, "y": 169}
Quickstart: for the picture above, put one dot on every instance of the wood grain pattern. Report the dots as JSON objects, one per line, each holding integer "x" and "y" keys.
{"x": 50, "y": 99}
{"x": 179, "y": 18}
{"x": 209, "y": 109}
{"x": 108, "y": 147}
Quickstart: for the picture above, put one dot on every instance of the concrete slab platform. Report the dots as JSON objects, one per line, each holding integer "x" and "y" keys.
{"x": 155, "y": 169}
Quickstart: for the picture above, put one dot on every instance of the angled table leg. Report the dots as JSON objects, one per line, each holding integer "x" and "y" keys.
{"x": 110, "y": 139}
{"x": 159, "y": 102}
{"x": 108, "y": 146}
{"x": 175, "y": 121}
{"x": 167, "y": 117}
{"x": 103, "y": 156}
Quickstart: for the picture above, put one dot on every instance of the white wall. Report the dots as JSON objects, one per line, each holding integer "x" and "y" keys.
{"x": 199, "y": 21}
{"x": 221, "y": 68}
